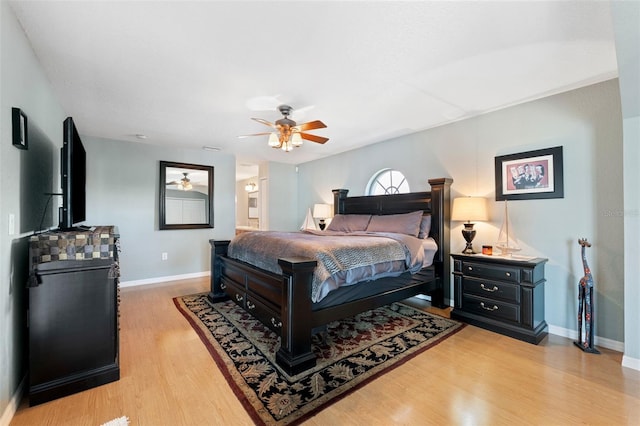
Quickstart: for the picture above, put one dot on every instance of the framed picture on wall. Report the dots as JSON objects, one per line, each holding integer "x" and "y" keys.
{"x": 253, "y": 205}
{"x": 530, "y": 175}
{"x": 19, "y": 124}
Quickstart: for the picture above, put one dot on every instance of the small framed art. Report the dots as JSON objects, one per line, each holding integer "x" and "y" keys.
{"x": 530, "y": 175}
{"x": 19, "y": 124}
{"x": 253, "y": 205}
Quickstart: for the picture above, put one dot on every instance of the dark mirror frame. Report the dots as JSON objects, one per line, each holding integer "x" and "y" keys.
{"x": 163, "y": 196}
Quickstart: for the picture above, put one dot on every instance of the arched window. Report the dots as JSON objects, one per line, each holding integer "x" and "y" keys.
{"x": 388, "y": 181}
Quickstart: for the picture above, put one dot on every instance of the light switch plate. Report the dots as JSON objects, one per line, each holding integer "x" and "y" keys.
{"x": 12, "y": 224}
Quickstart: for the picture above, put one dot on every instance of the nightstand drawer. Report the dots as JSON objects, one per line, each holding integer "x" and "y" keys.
{"x": 493, "y": 272}
{"x": 493, "y": 290}
{"x": 491, "y": 308}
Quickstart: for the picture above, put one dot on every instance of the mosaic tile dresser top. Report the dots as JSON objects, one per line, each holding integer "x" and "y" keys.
{"x": 98, "y": 242}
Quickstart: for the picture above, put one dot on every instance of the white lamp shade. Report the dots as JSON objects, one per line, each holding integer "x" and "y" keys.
{"x": 274, "y": 141}
{"x": 469, "y": 209}
{"x": 296, "y": 139}
{"x": 321, "y": 211}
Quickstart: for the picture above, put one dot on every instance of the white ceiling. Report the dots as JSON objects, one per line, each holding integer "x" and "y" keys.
{"x": 191, "y": 74}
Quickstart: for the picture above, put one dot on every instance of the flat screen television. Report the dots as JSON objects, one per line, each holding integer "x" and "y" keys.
{"x": 73, "y": 170}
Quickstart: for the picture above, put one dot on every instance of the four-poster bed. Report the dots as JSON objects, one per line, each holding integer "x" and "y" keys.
{"x": 283, "y": 301}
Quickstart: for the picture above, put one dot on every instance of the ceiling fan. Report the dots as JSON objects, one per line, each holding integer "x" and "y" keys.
{"x": 288, "y": 134}
{"x": 184, "y": 183}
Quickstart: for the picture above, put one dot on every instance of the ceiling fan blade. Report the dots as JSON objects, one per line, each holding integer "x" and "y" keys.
{"x": 265, "y": 122}
{"x": 254, "y": 134}
{"x": 313, "y": 138}
{"x": 311, "y": 125}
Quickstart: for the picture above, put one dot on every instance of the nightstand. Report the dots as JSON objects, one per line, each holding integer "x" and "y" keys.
{"x": 501, "y": 294}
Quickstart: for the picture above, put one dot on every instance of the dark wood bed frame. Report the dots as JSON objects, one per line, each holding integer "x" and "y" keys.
{"x": 283, "y": 302}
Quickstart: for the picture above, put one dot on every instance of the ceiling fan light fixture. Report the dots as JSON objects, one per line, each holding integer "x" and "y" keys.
{"x": 185, "y": 183}
{"x": 274, "y": 141}
{"x": 287, "y": 134}
{"x": 296, "y": 139}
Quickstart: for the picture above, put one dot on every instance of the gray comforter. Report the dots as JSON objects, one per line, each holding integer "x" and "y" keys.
{"x": 343, "y": 258}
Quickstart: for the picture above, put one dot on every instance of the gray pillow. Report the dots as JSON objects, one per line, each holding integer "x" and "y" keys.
{"x": 349, "y": 222}
{"x": 425, "y": 227}
{"x": 407, "y": 223}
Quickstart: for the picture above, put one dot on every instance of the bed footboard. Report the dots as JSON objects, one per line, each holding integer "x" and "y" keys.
{"x": 281, "y": 302}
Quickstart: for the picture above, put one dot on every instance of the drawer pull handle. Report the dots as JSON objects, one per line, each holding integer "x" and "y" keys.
{"x": 488, "y": 289}
{"x": 276, "y": 324}
{"x": 494, "y": 308}
{"x": 508, "y": 274}
{"x": 223, "y": 286}
{"x": 250, "y": 305}
{"x": 239, "y": 298}
{"x": 470, "y": 268}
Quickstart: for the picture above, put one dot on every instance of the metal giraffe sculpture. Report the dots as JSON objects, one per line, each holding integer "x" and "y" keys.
{"x": 585, "y": 299}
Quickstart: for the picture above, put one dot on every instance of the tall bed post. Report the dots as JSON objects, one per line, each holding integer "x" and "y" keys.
{"x": 218, "y": 248}
{"x": 295, "y": 355}
{"x": 339, "y": 195}
{"x": 441, "y": 208}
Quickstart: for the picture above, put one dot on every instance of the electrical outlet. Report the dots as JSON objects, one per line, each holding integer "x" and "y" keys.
{"x": 165, "y": 256}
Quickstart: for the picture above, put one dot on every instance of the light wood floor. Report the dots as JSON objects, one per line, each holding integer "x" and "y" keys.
{"x": 473, "y": 378}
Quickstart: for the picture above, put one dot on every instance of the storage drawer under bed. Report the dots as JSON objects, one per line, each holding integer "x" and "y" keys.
{"x": 262, "y": 311}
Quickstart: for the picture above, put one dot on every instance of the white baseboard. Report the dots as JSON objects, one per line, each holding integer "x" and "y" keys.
{"x": 629, "y": 362}
{"x": 598, "y": 341}
{"x": 12, "y": 407}
{"x": 157, "y": 280}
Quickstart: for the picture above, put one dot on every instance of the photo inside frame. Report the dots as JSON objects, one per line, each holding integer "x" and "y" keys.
{"x": 528, "y": 175}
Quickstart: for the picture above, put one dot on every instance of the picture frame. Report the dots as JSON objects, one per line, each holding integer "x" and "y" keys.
{"x": 185, "y": 196}
{"x": 20, "y": 129}
{"x": 530, "y": 175}
{"x": 253, "y": 205}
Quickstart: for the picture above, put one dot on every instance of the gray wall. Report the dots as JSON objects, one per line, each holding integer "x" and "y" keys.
{"x": 282, "y": 190}
{"x": 587, "y": 123}
{"x": 627, "y": 32}
{"x": 122, "y": 190}
{"x": 24, "y": 178}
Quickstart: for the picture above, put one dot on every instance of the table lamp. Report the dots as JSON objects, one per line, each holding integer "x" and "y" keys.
{"x": 469, "y": 209}
{"x": 322, "y": 212}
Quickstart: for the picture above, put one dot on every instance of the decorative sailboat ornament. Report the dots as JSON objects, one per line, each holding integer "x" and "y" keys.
{"x": 507, "y": 241}
{"x": 308, "y": 223}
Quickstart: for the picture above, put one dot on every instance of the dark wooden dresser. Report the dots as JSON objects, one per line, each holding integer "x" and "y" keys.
{"x": 501, "y": 294}
{"x": 73, "y": 312}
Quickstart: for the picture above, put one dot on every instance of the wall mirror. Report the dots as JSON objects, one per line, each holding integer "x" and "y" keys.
{"x": 186, "y": 196}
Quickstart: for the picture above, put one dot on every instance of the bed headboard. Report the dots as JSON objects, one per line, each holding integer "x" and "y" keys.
{"x": 435, "y": 202}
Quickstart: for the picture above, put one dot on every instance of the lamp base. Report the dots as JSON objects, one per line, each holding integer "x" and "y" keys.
{"x": 321, "y": 224}
{"x": 469, "y": 234}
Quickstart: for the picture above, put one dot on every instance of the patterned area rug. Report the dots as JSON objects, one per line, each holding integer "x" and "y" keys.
{"x": 350, "y": 353}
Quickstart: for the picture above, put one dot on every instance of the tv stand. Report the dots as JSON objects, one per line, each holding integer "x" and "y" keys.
{"x": 73, "y": 312}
